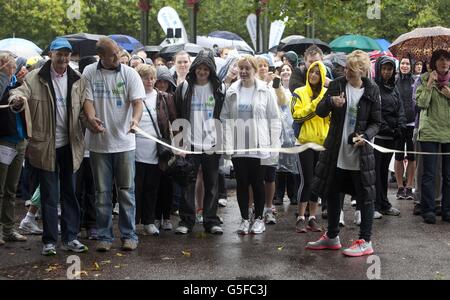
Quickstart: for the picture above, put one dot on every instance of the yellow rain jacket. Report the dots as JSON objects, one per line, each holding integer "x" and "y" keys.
{"x": 314, "y": 129}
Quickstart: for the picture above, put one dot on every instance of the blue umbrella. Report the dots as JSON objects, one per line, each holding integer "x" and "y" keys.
{"x": 127, "y": 42}
{"x": 384, "y": 44}
{"x": 225, "y": 35}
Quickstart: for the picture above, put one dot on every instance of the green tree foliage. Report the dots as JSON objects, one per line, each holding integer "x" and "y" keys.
{"x": 42, "y": 20}
{"x": 39, "y": 20}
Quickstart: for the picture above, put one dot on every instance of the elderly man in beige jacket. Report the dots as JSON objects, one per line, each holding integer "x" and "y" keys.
{"x": 54, "y": 96}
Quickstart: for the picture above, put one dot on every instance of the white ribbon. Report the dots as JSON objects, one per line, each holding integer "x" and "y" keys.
{"x": 387, "y": 150}
{"x": 291, "y": 150}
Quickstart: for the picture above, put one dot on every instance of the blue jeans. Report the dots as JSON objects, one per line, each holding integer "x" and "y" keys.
{"x": 429, "y": 177}
{"x": 59, "y": 185}
{"x": 119, "y": 167}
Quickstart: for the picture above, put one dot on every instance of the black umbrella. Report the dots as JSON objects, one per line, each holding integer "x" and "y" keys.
{"x": 152, "y": 50}
{"x": 83, "y": 44}
{"x": 299, "y": 46}
{"x": 169, "y": 51}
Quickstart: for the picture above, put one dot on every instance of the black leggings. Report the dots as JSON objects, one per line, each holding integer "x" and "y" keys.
{"x": 308, "y": 160}
{"x": 249, "y": 171}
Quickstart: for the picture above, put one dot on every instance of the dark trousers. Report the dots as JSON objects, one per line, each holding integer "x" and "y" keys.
{"x": 29, "y": 180}
{"x": 382, "y": 161}
{"x": 342, "y": 179}
{"x": 287, "y": 181}
{"x": 249, "y": 172}
{"x": 63, "y": 178}
{"x": 222, "y": 192}
{"x": 210, "y": 168}
{"x": 429, "y": 177}
{"x": 146, "y": 181}
{"x": 85, "y": 192}
{"x": 165, "y": 195}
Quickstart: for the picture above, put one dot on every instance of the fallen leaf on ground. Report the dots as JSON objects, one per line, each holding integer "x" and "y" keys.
{"x": 167, "y": 258}
{"x": 186, "y": 253}
{"x": 280, "y": 248}
{"x": 119, "y": 254}
{"x": 104, "y": 262}
{"x": 97, "y": 267}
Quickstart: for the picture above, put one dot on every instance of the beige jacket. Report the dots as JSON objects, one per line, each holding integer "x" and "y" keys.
{"x": 41, "y": 105}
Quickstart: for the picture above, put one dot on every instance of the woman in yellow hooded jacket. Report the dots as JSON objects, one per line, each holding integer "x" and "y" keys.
{"x": 313, "y": 129}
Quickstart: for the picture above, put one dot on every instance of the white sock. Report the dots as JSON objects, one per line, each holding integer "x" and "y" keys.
{"x": 301, "y": 218}
{"x": 311, "y": 217}
{"x": 29, "y": 217}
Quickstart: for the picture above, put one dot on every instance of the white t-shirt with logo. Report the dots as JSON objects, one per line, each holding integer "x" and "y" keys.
{"x": 60, "y": 86}
{"x": 203, "y": 132}
{"x": 112, "y": 92}
{"x": 146, "y": 151}
{"x": 246, "y": 97}
{"x": 348, "y": 155}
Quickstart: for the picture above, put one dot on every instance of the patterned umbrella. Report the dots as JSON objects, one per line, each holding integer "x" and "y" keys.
{"x": 421, "y": 43}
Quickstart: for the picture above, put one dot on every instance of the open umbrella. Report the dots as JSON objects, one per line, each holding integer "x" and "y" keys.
{"x": 226, "y": 35}
{"x": 291, "y": 37}
{"x": 127, "y": 42}
{"x": 299, "y": 46}
{"x": 20, "y": 47}
{"x": 421, "y": 43}
{"x": 152, "y": 50}
{"x": 83, "y": 44}
{"x": 350, "y": 42}
{"x": 384, "y": 44}
{"x": 169, "y": 51}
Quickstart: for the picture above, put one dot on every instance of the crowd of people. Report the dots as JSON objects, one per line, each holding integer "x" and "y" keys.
{"x": 72, "y": 137}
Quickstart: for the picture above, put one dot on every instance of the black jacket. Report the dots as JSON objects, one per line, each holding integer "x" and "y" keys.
{"x": 184, "y": 91}
{"x": 368, "y": 122}
{"x": 405, "y": 87}
{"x": 297, "y": 80}
{"x": 393, "y": 121}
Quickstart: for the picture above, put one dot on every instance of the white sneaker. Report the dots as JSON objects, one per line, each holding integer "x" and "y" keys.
{"x": 258, "y": 227}
{"x": 244, "y": 227}
{"x": 341, "y": 219}
{"x": 353, "y": 203}
{"x": 116, "y": 209}
{"x": 157, "y": 224}
{"x": 29, "y": 227}
{"x": 150, "y": 230}
{"x": 181, "y": 230}
{"x": 166, "y": 225}
{"x": 357, "y": 219}
{"x": 223, "y": 202}
{"x": 319, "y": 201}
{"x": 216, "y": 230}
{"x": 269, "y": 218}
{"x": 377, "y": 215}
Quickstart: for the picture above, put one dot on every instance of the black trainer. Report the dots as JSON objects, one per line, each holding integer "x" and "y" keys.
{"x": 401, "y": 194}
{"x": 409, "y": 194}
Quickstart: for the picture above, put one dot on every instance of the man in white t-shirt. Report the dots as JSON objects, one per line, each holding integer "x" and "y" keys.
{"x": 113, "y": 107}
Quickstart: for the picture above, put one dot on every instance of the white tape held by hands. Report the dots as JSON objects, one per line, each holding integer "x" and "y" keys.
{"x": 291, "y": 150}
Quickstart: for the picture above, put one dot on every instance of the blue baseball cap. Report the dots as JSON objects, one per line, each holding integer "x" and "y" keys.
{"x": 60, "y": 43}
